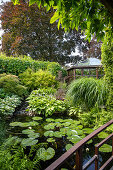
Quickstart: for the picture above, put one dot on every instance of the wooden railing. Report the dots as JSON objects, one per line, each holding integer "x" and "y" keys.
{"x": 77, "y": 148}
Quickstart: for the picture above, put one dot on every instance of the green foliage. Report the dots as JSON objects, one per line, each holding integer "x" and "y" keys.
{"x": 54, "y": 68}
{"x": 3, "y": 94}
{"x": 17, "y": 65}
{"x": 74, "y": 14}
{"x": 12, "y": 156}
{"x": 88, "y": 91}
{"x": 11, "y": 85}
{"x": 95, "y": 118}
{"x": 8, "y": 105}
{"x": 107, "y": 60}
{"x": 45, "y": 104}
{"x": 39, "y": 79}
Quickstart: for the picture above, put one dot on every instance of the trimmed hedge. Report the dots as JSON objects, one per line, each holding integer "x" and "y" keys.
{"x": 17, "y": 65}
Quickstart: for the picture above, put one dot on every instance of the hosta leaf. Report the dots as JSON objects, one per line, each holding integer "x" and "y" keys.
{"x": 44, "y": 154}
{"x": 28, "y": 142}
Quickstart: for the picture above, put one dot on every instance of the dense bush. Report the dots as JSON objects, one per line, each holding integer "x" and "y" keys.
{"x": 107, "y": 60}
{"x": 44, "y": 103}
{"x": 11, "y": 85}
{"x": 17, "y": 65}
{"x": 8, "y": 104}
{"x": 39, "y": 79}
{"x": 88, "y": 91}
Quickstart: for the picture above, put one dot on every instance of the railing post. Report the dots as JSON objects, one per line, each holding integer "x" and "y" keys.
{"x": 79, "y": 159}
{"x": 96, "y": 160}
{"x": 112, "y": 145}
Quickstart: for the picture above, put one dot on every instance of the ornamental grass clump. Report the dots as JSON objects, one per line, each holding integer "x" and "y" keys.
{"x": 87, "y": 91}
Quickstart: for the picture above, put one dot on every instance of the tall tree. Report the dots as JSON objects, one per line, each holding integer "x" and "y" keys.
{"x": 27, "y": 31}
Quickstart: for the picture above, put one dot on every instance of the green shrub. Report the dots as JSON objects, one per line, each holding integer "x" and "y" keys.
{"x": 39, "y": 79}
{"x": 45, "y": 104}
{"x": 17, "y": 65}
{"x": 11, "y": 85}
{"x": 8, "y": 105}
{"x": 107, "y": 60}
{"x": 88, "y": 91}
{"x": 54, "y": 68}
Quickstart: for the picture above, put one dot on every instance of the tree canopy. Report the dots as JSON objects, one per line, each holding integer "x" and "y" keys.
{"x": 27, "y": 30}
{"x": 93, "y": 16}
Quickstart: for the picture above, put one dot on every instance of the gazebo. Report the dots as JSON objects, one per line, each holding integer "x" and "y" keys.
{"x": 86, "y": 66}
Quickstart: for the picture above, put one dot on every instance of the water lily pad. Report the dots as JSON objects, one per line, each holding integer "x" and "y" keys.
{"x": 44, "y": 154}
{"x": 90, "y": 141}
{"x": 66, "y": 124}
{"x": 49, "y": 126}
{"x": 105, "y": 148}
{"x": 71, "y": 132}
{"x": 15, "y": 123}
{"x": 88, "y": 130}
{"x": 58, "y": 124}
{"x": 37, "y": 118}
{"x": 34, "y": 135}
{"x": 58, "y": 134}
{"x": 34, "y": 123}
{"x": 59, "y": 120}
{"x": 28, "y": 142}
{"x": 50, "y": 140}
{"x": 28, "y": 131}
{"x": 49, "y": 133}
{"x": 80, "y": 132}
{"x": 74, "y": 139}
{"x": 68, "y": 146}
{"x": 102, "y": 135}
{"x": 63, "y": 131}
{"x": 68, "y": 120}
{"x": 50, "y": 120}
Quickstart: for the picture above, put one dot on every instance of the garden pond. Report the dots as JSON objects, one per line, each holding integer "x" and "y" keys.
{"x": 56, "y": 135}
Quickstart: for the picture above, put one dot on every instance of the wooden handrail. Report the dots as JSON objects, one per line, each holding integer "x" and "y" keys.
{"x": 78, "y": 148}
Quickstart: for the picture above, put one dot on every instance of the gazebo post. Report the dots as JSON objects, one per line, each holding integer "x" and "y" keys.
{"x": 97, "y": 73}
{"x": 82, "y": 71}
{"x": 74, "y": 73}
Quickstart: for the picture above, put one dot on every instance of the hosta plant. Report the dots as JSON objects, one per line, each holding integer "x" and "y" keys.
{"x": 45, "y": 104}
{"x": 8, "y": 104}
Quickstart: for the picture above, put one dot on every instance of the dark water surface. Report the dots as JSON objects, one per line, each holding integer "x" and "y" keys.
{"x": 88, "y": 151}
